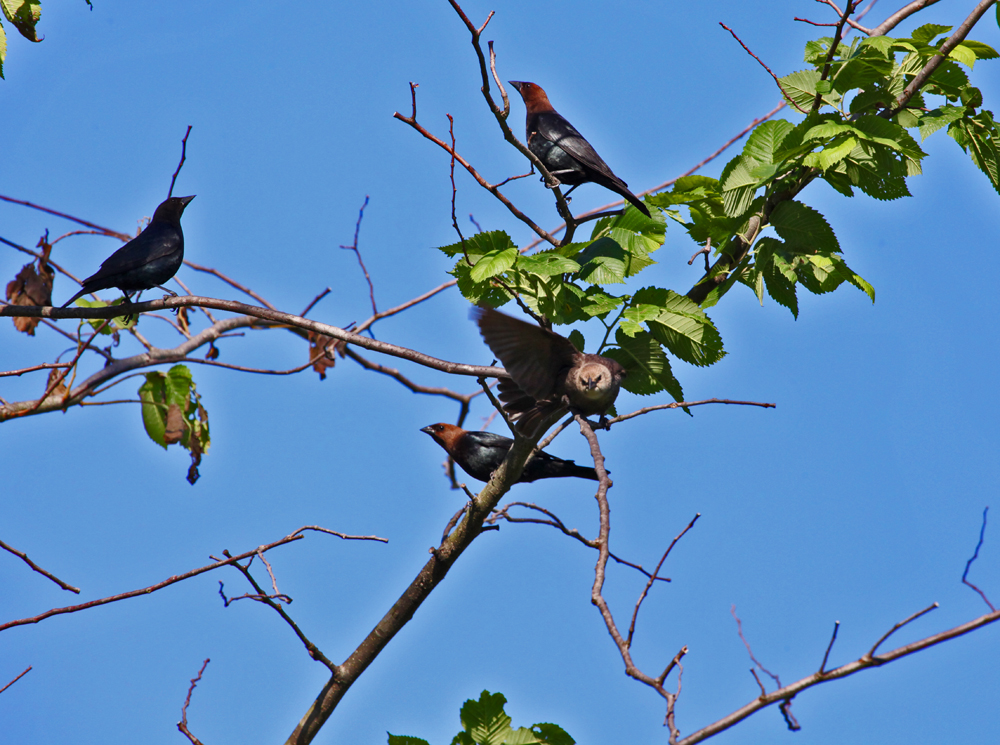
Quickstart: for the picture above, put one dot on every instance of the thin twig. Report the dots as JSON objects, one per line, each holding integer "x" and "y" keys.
{"x": 184, "y": 145}
{"x": 183, "y": 724}
{"x": 24, "y": 557}
{"x": 826, "y": 655}
{"x": 898, "y": 626}
{"x": 33, "y": 368}
{"x": 778, "y": 82}
{"x": 686, "y": 404}
{"x": 16, "y": 679}
{"x": 354, "y": 247}
{"x": 106, "y": 231}
{"x": 968, "y": 564}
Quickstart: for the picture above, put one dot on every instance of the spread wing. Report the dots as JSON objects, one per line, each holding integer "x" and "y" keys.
{"x": 554, "y": 128}
{"x": 533, "y": 356}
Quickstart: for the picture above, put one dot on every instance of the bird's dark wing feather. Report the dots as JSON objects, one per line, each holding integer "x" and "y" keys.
{"x": 532, "y": 355}
{"x": 490, "y": 440}
{"x": 157, "y": 241}
{"x": 554, "y": 128}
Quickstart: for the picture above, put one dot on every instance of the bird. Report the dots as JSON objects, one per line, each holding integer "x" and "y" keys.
{"x": 146, "y": 261}
{"x": 547, "y": 373}
{"x": 565, "y": 152}
{"x": 481, "y": 453}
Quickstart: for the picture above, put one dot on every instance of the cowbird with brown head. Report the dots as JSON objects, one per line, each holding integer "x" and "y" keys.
{"x": 481, "y": 453}
{"x": 146, "y": 261}
{"x": 565, "y": 152}
{"x": 547, "y": 373}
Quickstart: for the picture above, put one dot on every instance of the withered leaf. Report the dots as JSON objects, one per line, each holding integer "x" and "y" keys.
{"x": 321, "y": 352}
{"x": 175, "y": 425}
{"x": 60, "y": 390}
{"x": 31, "y": 287}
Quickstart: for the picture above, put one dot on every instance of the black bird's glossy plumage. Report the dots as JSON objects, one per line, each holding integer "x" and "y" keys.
{"x": 146, "y": 261}
{"x": 565, "y": 152}
{"x": 481, "y": 453}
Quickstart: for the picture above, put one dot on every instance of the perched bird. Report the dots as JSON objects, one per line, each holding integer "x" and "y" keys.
{"x": 547, "y": 373}
{"x": 563, "y": 150}
{"x": 146, "y": 261}
{"x": 481, "y": 453}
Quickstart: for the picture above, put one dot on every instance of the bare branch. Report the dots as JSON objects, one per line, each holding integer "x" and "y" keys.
{"x": 183, "y": 724}
{"x": 685, "y": 404}
{"x": 968, "y": 564}
{"x": 777, "y": 82}
{"x": 24, "y": 557}
{"x": 354, "y": 247}
{"x": 833, "y": 638}
{"x": 28, "y": 670}
{"x": 173, "y": 180}
{"x": 106, "y": 231}
{"x": 898, "y": 626}
{"x": 899, "y": 16}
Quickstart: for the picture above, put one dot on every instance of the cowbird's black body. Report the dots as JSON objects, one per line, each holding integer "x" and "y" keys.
{"x": 546, "y": 371}
{"x": 481, "y": 453}
{"x": 565, "y": 152}
{"x": 146, "y": 261}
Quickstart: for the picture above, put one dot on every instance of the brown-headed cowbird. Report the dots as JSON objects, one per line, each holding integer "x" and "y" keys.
{"x": 547, "y": 373}
{"x": 481, "y": 453}
{"x": 565, "y": 152}
{"x": 146, "y": 261}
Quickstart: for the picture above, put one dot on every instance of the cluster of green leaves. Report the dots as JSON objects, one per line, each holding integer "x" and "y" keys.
{"x": 851, "y": 136}
{"x": 172, "y": 413}
{"x": 570, "y": 283}
{"x": 24, "y": 15}
{"x": 484, "y": 722}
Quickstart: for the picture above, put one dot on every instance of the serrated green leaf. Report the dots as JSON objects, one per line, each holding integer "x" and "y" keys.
{"x": 684, "y": 329}
{"x": 577, "y": 340}
{"x": 478, "y": 292}
{"x": 928, "y": 32}
{"x": 493, "y": 263}
{"x": 825, "y": 130}
{"x": 982, "y": 51}
{"x": 3, "y": 49}
{"x": 962, "y": 53}
{"x": 98, "y": 324}
{"x": 24, "y": 14}
{"x": 405, "y": 740}
{"x": 816, "y": 49}
{"x": 597, "y": 303}
{"x": 480, "y": 244}
{"x": 832, "y": 155}
{"x": 738, "y": 187}
{"x": 552, "y": 734}
{"x": 818, "y": 274}
{"x": 547, "y": 264}
{"x": 522, "y": 736}
{"x": 800, "y": 87}
{"x": 485, "y": 720}
{"x": 853, "y": 277}
{"x": 803, "y": 228}
{"x": 765, "y": 141}
{"x": 647, "y": 365}
{"x": 934, "y": 120}
{"x": 778, "y": 275}
{"x": 882, "y": 44}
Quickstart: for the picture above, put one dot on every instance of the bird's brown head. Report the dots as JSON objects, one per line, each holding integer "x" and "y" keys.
{"x": 445, "y": 435}
{"x": 172, "y": 209}
{"x": 534, "y": 97}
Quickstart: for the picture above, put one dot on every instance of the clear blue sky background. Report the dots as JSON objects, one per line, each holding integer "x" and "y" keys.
{"x": 858, "y": 499}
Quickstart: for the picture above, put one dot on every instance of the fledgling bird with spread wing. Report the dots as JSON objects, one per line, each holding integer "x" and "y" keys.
{"x": 146, "y": 261}
{"x": 565, "y": 152}
{"x": 547, "y": 373}
{"x": 481, "y": 453}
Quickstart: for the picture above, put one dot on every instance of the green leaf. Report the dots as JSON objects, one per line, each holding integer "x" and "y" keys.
{"x": 603, "y": 262}
{"x": 405, "y": 740}
{"x": 647, "y": 365}
{"x": 577, "y": 340}
{"x": 3, "y": 49}
{"x": 522, "y": 736}
{"x": 882, "y": 44}
{"x": 547, "y": 264}
{"x": 738, "y": 186}
{"x": 683, "y": 328}
{"x": 803, "y": 228}
{"x": 852, "y": 277}
{"x": 765, "y": 141}
{"x": 927, "y": 33}
{"x": 800, "y": 87}
{"x": 961, "y": 53}
{"x": 932, "y": 121}
{"x": 982, "y": 51}
{"x": 485, "y": 720}
{"x": 778, "y": 275}
{"x": 818, "y": 274}
{"x": 24, "y": 14}
{"x": 832, "y": 155}
{"x": 117, "y": 323}
{"x": 478, "y": 292}
{"x": 493, "y": 263}
{"x": 552, "y": 734}
{"x": 480, "y": 244}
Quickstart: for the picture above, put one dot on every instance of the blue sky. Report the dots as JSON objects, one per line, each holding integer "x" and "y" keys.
{"x": 858, "y": 499}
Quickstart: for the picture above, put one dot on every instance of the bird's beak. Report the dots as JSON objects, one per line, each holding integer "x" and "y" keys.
{"x": 517, "y": 84}
{"x": 427, "y": 430}
{"x": 185, "y": 201}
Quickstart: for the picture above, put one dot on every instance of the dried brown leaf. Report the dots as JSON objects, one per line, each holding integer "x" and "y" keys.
{"x": 175, "y": 425}
{"x": 31, "y": 287}
{"x": 321, "y": 352}
{"x": 60, "y": 390}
